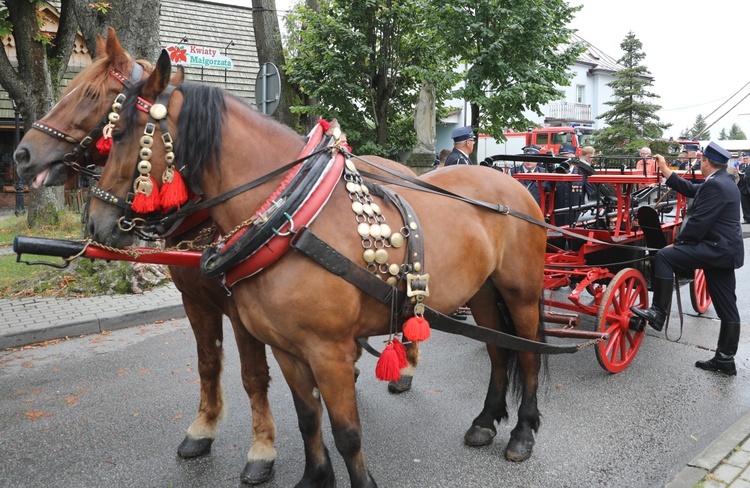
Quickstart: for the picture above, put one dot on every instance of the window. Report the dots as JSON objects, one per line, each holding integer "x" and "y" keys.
{"x": 580, "y": 93}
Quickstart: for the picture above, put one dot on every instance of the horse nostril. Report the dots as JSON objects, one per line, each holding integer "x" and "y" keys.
{"x": 21, "y": 155}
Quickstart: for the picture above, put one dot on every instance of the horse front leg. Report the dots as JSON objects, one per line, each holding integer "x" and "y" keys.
{"x": 206, "y": 322}
{"x": 307, "y": 403}
{"x": 256, "y": 379}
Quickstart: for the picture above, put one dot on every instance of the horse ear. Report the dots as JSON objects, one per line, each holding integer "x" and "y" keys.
{"x": 101, "y": 47}
{"x": 116, "y": 54}
{"x": 178, "y": 77}
{"x": 158, "y": 80}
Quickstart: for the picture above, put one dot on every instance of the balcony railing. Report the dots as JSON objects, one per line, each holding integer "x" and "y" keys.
{"x": 580, "y": 112}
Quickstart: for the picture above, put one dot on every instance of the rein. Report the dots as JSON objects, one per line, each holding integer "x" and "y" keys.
{"x": 81, "y": 147}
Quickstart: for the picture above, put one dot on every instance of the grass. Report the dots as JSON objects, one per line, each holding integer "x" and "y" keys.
{"x": 11, "y": 272}
{"x": 68, "y": 228}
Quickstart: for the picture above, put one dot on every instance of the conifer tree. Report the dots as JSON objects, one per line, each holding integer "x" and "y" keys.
{"x": 632, "y": 122}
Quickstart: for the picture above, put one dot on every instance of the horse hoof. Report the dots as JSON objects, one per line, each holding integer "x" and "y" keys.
{"x": 257, "y": 471}
{"x": 518, "y": 451}
{"x": 479, "y": 436}
{"x": 403, "y": 384}
{"x": 190, "y": 448}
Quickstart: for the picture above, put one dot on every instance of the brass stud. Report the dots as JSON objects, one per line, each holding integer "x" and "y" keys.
{"x": 413, "y": 225}
{"x": 397, "y": 240}
{"x": 394, "y": 269}
{"x": 357, "y": 207}
{"x": 417, "y": 266}
{"x": 363, "y": 229}
{"x": 368, "y": 256}
{"x": 350, "y": 165}
{"x": 351, "y": 187}
{"x": 385, "y": 230}
{"x": 375, "y": 230}
{"x": 381, "y": 256}
{"x": 158, "y": 111}
{"x": 392, "y": 280}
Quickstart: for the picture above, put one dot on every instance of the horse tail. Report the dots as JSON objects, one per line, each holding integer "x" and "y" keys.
{"x": 515, "y": 372}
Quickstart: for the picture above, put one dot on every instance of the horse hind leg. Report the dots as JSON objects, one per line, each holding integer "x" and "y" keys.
{"x": 206, "y": 325}
{"x": 256, "y": 379}
{"x": 526, "y": 374}
{"x": 307, "y": 402}
{"x": 407, "y": 372}
{"x": 484, "y": 308}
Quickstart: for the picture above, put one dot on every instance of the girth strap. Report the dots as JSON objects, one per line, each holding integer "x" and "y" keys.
{"x": 306, "y": 242}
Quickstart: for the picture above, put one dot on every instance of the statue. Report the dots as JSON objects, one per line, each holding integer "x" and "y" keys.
{"x": 424, "y": 121}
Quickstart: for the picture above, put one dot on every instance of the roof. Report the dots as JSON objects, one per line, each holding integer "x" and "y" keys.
{"x": 596, "y": 58}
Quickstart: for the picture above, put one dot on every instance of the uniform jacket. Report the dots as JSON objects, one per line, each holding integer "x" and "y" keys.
{"x": 457, "y": 157}
{"x": 744, "y": 184}
{"x": 532, "y": 186}
{"x": 712, "y": 232}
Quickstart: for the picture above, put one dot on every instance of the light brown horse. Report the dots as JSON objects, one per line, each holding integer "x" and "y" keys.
{"x": 40, "y": 155}
{"x": 311, "y": 317}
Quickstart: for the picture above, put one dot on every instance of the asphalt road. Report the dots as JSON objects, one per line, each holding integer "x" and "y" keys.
{"x": 111, "y": 411}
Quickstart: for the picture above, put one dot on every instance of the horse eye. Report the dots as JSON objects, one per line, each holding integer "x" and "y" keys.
{"x": 117, "y": 135}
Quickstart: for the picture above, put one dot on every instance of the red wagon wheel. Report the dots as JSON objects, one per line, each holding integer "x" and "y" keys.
{"x": 628, "y": 288}
{"x": 699, "y": 297}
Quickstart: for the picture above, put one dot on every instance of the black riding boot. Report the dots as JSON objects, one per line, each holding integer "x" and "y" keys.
{"x": 656, "y": 315}
{"x": 723, "y": 360}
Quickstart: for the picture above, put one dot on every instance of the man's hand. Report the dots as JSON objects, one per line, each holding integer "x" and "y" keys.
{"x": 661, "y": 163}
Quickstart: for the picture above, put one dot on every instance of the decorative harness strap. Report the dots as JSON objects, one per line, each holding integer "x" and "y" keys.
{"x": 306, "y": 242}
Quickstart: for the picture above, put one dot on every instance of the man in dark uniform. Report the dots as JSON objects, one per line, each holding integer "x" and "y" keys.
{"x": 744, "y": 185}
{"x": 530, "y": 167}
{"x": 463, "y": 146}
{"x": 711, "y": 239}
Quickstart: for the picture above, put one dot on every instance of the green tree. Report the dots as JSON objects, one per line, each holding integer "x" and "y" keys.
{"x": 516, "y": 53}
{"x": 698, "y": 131}
{"x": 632, "y": 122}
{"x": 33, "y": 80}
{"x": 723, "y": 135}
{"x": 736, "y": 133}
{"x": 364, "y": 66}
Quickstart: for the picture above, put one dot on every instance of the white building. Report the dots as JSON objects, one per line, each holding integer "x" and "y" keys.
{"x": 582, "y": 101}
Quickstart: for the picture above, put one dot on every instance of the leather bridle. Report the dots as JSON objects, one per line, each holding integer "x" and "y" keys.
{"x": 81, "y": 147}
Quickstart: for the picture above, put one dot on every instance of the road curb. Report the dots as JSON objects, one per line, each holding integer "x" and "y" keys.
{"x": 95, "y": 325}
{"x": 712, "y": 456}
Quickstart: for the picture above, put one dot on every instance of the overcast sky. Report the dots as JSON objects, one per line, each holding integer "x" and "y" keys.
{"x": 697, "y": 52}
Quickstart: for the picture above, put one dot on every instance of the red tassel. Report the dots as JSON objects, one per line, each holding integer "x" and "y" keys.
{"x": 387, "y": 368}
{"x": 173, "y": 194}
{"x": 417, "y": 329}
{"x": 103, "y": 145}
{"x": 143, "y": 203}
{"x": 324, "y": 124}
{"x": 400, "y": 352}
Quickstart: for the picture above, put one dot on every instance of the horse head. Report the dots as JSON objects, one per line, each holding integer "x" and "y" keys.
{"x": 67, "y": 134}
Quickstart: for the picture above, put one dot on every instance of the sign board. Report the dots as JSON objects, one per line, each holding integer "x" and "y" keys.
{"x": 267, "y": 89}
{"x": 205, "y": 57}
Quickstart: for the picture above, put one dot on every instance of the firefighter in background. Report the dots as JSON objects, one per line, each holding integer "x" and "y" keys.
{"x": 744, "y": 185}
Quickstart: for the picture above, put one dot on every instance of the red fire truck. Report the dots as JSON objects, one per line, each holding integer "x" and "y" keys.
{"x": 547, "y": 138}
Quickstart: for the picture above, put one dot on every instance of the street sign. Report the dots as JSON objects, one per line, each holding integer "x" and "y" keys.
{"x": 205, "y": 57}
{"x": 267, "y": 89}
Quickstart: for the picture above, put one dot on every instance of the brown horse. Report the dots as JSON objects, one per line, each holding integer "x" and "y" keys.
{"x": 311, "y": 317}
{"x": 41, "y": 156}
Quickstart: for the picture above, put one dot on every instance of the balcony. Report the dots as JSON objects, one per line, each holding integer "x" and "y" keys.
{"x": 566, "y": 112}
